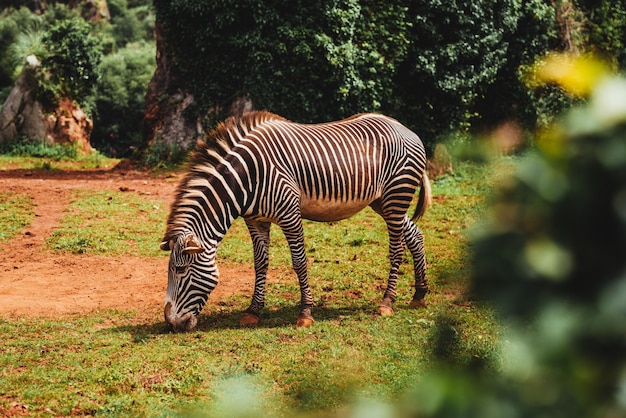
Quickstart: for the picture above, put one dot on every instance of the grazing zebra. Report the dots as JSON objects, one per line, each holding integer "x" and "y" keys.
{"x": 270, "y": 170}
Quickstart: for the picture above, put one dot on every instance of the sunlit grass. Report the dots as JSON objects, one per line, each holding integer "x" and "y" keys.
{"x": 110, "y": 223}
{"x": 111, "y": 363}
{"x": 81, "y": 162}
{"x": 16, "y": 213}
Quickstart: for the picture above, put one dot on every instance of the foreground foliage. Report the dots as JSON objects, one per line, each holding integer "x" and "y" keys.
{"x": 551, "y": 261}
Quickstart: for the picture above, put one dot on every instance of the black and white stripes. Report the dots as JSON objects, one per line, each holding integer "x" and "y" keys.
{"x": 270, "y": 170}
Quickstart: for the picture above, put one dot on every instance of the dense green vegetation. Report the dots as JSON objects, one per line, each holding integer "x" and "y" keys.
{"x": 28, "y": 154}
{"x": 104, "y": 66}
{"x": 323, "y": 60}
{"x": 440, "y": 67}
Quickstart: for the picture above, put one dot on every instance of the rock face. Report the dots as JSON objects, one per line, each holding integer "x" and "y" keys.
{"x": 69, "y": 125}
{"x": 22, "y": 116}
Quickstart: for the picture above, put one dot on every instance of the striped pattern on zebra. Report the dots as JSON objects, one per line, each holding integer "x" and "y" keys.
{"x": 267, "y": 170}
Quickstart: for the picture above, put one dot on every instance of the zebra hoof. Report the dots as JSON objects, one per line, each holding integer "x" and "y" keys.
{"x": 385, "y": 311}
{"x": 304, "y": 321}
{"x": 248, "y": 319}
{"x": 421, "y": 303}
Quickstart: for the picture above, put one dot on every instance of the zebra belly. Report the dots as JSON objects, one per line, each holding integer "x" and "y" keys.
{"x": 327, "y": 210}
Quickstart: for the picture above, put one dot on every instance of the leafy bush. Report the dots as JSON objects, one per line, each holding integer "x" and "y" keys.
{"x": 25, "y": 147}
{"x": 606, "y": 29}
{"x": 163, "y": 155}
{"x": 70, "y": 65}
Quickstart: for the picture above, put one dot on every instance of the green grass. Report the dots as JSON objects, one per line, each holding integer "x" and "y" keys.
{"x": 16, "y": 213}
{"x": 114, "y": 364}
{"x": 110, "y": 223}
{"x": 45, "y": 157}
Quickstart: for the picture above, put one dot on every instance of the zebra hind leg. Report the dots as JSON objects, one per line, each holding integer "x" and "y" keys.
{"x": 260, "y": 234}
{"x": 415, "y": 242}
{"x": 396, "y": 247}
{"x": 294, "y": 234}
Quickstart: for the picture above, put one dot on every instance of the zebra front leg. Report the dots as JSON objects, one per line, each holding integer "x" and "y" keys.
{"x": 396, "y": 246}
{"x": 295, "y": 238}
{"x": 415, "y": 242}
{"x": 260, "y": 234}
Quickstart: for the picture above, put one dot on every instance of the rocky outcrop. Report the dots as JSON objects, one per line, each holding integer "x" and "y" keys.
{"x": 69, "y": 125}
{"x": 23, "y": 116}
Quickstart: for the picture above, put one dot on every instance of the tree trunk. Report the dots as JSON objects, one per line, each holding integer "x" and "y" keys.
{"x": 166, "y": 102}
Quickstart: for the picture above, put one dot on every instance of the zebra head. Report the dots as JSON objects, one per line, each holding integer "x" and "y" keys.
{"x": 192, "y": 275}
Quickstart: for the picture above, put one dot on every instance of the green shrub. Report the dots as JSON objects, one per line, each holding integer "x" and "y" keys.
{"x": 606, "y": 29}
{"x": 25, "y": 147}
{"x": 162, "y": 155}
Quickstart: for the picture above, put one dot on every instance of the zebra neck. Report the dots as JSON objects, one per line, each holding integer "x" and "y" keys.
{"x": 209, "y": 205}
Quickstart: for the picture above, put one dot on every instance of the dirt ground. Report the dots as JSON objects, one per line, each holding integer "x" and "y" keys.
{"x": 37, "y": 282}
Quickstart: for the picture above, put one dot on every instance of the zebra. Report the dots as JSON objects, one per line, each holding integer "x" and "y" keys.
{"x": 267, "y": 170}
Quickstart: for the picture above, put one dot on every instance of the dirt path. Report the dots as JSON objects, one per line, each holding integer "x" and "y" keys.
{"x": 37, "y": 282}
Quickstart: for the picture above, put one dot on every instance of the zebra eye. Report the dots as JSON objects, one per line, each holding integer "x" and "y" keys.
{"x": 180, "y": 269}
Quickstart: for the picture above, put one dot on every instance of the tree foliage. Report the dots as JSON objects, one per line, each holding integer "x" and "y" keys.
{"x": 433, "y": 65}
{"x": 605, "y": 24}
{"x": 70, "y": 62}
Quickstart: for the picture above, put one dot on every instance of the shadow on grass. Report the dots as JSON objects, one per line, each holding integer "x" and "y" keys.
{"x": 275, "y": 318}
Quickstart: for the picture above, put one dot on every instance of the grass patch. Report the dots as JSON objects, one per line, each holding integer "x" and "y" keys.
{"x": 28, "y": 155}
{"x": 110, "y": 223}
{"x": 109, "y": 363}
{"x": 16, "y": 213}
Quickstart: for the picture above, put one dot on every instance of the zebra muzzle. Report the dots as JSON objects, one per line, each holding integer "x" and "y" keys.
{"x": 186, "y": 322}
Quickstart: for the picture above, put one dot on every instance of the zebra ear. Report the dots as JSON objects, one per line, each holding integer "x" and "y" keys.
{"x": 193, "y": 250}
{"x": 192, "y": 247}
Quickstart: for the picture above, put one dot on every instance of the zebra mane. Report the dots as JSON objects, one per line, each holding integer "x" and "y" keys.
{"x": 211, "y": 152}
{"x": 226, "y": 135}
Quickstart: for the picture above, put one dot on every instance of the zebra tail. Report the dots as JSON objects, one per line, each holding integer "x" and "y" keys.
{"x": 425, "y": 199}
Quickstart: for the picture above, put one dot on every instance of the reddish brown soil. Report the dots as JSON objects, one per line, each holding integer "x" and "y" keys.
{"x": 37, "y": 282}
